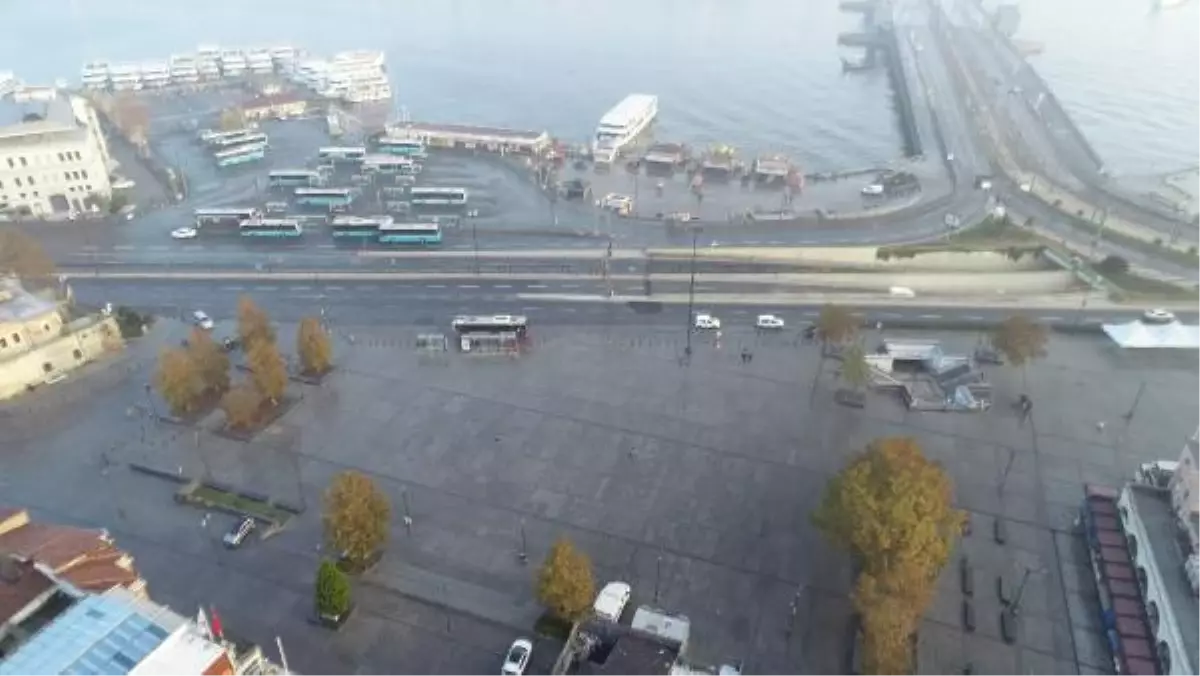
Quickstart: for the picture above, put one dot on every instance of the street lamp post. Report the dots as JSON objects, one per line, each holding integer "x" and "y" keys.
{"x": 475, "y": 244}
{"x": 523, "y": 555}
{"x": 657, "y": 577}
{"x": 687, "y": 351}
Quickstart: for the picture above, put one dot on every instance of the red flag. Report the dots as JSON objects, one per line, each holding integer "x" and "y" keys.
{"x": 215, "y": 623}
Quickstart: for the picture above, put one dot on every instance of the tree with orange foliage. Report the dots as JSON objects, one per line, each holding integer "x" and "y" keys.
{"x": 253, "y": 323}
{"x": 210, "y": 360}
{"x": 178, "y": 381}
{"x": 241, "y": 406}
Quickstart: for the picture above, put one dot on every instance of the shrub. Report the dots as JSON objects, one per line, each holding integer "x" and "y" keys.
{"x": 332, "y": 590}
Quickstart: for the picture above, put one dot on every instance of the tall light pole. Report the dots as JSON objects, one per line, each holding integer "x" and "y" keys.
{"x": 687, "y": 351}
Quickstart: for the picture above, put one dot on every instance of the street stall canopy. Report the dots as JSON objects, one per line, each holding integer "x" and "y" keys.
{"x": 1139, "y": 335}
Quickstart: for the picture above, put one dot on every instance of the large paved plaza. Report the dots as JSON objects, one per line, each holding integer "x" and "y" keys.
{"x": 692, "y": 482}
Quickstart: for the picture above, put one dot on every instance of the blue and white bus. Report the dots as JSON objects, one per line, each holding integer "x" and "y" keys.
{"x": 358, "y": 227}
{"x": 390, "y": 164}
{"x": 270, "y": 227}
{"x": 326, "y": 197}
{"x": 406, "y": 147}
{"x": 410, "y": 233}
{"x": 340, "y": 154}
{"x": 239, "y": 138}
{"x": 213, "y": 137}
{"x": 242, "y": 154}
{"x": 294, "y": 178}
{"x": 438, "y": 196}
{"x": 225, "y": 215}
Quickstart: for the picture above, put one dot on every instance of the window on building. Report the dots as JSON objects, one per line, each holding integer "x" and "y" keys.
{"x": 47, "y": 367}
{"x": 45, "y": 327}
{"x": 3, "y": 343}
{"x": 31, "y": 181}
{"x": 17, "y": 181}
{"x": 24, "y": 163}
{"x": 1, "y": 184}
{"x": 66, "y": 175}
{"x": 75, "y": 175}
{"x": 16, "y": 338}
{"x": 35, "y": 193}
{"x": 71, "y": 189}
{"x": 78, "y": 354}
{"x": 1164, "y": 657}
{"x": 88, "y": 187}
{"x": 78, "y": 156}
{"x": 62, "y": 158}
{"x": 22, "y": 195}
{"x": 1152, "y": 613}
{"x": 10, "y": 163}
{"x": 83, "y": 173}
{"x": 1143, "y": 582}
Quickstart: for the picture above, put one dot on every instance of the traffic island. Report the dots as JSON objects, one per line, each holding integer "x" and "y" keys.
{"x": 212, "y": 496}
{"x": 316, "y": 379}
{"x": 265, "y": 416}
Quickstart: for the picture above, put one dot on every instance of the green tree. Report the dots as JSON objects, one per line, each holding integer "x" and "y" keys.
{"x": 565, "y": 585}
{"x": 892, "y": 510}
{"x": 253, "y": 323}
{"x": 178, "y": 381}
{"x": 356, "y": 517}
{"x": 1113, "y": 265}
{"x": 313, "y": 346}
{"x": 1021, "y": 340}
{"x": 267, "y": 370}
{"x": 855, "y": 369}
{"x": 242, "y": 406}
{"x": 835, "y": 325}
{"x": 23, "y": 256}
{"x": 332, "y": 590}
{"x": 210, "y": 360}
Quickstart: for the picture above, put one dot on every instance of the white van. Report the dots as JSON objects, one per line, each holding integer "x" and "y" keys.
{"x": 901, "y": 292}
{"x": 611, "y": 601}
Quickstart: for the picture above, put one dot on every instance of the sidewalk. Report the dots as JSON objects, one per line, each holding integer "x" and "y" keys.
{"x": 454, "y": 594}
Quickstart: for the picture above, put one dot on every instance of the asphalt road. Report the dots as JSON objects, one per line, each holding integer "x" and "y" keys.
{"x": 433, "y": 304}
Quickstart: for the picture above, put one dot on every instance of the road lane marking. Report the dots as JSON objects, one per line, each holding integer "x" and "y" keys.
{"x": 435, "y": 286}
{"x": 527, "y": 308}
{"x": 974, "y": 317}
{"x": 468, "y": 286}
{"x": 891, "y": 315}
{"x": 124, "y": 247}
{"x": 325, "y": 246}
{"x": 233, "y": 288}
{"x": 369, "y": 287}
{"x": 336, "y": 288}
{"x": 569, "y": 309}
{"x": 810, "y": 313}
{"x": 504, "y": 286}
{"x": 266, "y": 288}
{"x": 929, "y": 316}
{"x": 1053, "y": 318}
{"x": 537, "y": 286}
{"x": 570, "y": 286}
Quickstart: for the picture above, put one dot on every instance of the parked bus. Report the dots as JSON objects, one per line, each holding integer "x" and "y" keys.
{"x": 225, "y": 214}
{"x": 211, "y": 136}
{"x": 517, "y": 324}
{"x": 239, "y": 138}
{"x": 358, "y": 227}
{"x": 406, "y": 147}
{"x": 438, "y": 196}
{"x": 340, "y": 154}
{"x": 390, "y": 164}
{"x": 410, "y": 233}
{"x": 270, "y": 227}
{"x": 242, "y": 154}
{"x": 326, "y": 197}
{"x": 276, "y": 207}
{"x": 294, "y": 178}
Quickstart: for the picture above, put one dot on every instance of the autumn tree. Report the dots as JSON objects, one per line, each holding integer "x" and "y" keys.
{"x": 356, "y": 517}
{"x": 267, "y": 370}
{"x": 210, "y": 360}
{"x": 565, "y": 585}
{"x": 232, "y": 119}
{"x": 835, "y": 325}
{"x": 253, "y": 323}
{"x": 178, "y": 380}
{"x": 855, "y": 369}
{"x": 132, "y": 117}
{"x": 241, "y": 406}
{"x": 891, "y": 509}
{"x": 23, "y": 256}
{"x": 332, "y": 590}
{"x": 1021, "y": 340}
{"x": 313, "y": 346}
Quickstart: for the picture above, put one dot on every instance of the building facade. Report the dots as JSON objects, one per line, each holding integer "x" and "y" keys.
{"x": 1185, "y": 487}
{"x": 37, "y": 341}
{"x": 54, "y": 161}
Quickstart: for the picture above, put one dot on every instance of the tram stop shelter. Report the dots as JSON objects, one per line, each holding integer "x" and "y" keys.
{"x": 1139, "y": 335}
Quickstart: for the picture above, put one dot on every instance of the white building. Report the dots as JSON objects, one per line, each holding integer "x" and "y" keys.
{"x": 1162, "y": 542}
{"x": 53, "y": 157}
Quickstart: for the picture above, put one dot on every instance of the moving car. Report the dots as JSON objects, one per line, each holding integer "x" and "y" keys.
{"x": 707, "y": 321}
{"x": 184, "y": 233}
{"x": 1158, "y": 316}
{"x": 517, "y": 657}
{"x": 55, "y": 378}
{"x": 873, "y": 189}
{"x": 768, "y": 322}
{"x": 199, "y": 318}
{"x": 238, "y": 534}
{"x": 611, "y": 601}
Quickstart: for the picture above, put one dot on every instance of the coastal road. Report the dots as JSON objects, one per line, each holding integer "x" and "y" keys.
{"x": 431, "y": 305}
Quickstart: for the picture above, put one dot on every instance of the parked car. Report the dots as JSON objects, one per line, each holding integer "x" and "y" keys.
{"x": 707, "y": 321}
{"x": 873, "y": 190}
{"x": 238, "y": 534}
{"x": 201, "y": 319}
{"x": 611, "y": 601}
{"x": 517, "y": 657}
{"x": 55, "y": 378}
{"x": 184, "y": 233}
{"x": 1158, "y": 316}
{"x": 231, "y": 344}
{"x": 768, "y": 322}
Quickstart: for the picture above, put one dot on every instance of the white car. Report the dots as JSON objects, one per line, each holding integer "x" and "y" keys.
{"x": 184, "y": 233}
{"x": 202, "y": 320}
{"x": 1158, "y": 316}
{"x": 123, "y": 184}
{"x": 1026, "y": 187}
{"x": 707, "y": 321}
{"x": 611, "y": 601}
{"x": 873, "y": 189}
{"x": 768, "y": 322}
{"x": 517, "y": 657}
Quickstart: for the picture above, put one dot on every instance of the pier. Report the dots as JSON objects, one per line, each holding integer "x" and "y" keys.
{"x": 470, "y": 137}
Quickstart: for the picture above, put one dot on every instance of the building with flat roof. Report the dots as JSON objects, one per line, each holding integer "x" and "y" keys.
{"x": 1185, "y": 488}
{"x": 53, "y": 157}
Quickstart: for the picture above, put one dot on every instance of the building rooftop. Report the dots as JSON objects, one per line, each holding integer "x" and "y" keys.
{"x": 17, "y": 304}
{"x": 467, "y": 130}
{"x": 84, "y": 558}
{"x": 1163, "y": 530}
{"x": 35, "y": 117}
{"x": 624, "y": 650}
{"x": 20, "y": 583}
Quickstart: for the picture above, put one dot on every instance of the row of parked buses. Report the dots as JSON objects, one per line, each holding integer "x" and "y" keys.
{"x": 252, "y": 222}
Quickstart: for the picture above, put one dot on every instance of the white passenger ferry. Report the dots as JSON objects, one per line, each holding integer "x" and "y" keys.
{"x": 125, "y": 77}
{"x": 155, "y": 74}
{"x": 622, "y": 124}
{"x": 284, "y": 57}
{"x": 259, "y": 61}
{"x": 95, "y": 75}
{"x": 233, "y": 63}
{"x": 184, "y": 69}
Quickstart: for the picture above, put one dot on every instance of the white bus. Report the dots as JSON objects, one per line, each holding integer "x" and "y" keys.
{"x": 438, "y": 196}
{"x": 226, "y": 214}
{"x": 270, "y": 227}
{"x": 294, "y": 178}
{"x": 390, "y": 164}
{"x": 240, "y": 138}
{"x": 213, "y": 136}
{"x": 341, "y": 154}
{"x": 491, "y": 324}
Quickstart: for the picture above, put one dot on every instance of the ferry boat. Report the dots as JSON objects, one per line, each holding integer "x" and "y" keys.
{"x": 312, "y": 73}
{"x": 95, "y": 75}
{"x": 259, "y": 61}
{"x": 284, "y": 57}
{"x": 183, "y": 69}
{"x": 233, "y": 63}
{"x": 208, "y": 62}
{"x": 125, "y": 77}
{"x": 8, "y": 83}
{"x": 155, "y": 74}
{"x": 622, "y": 124}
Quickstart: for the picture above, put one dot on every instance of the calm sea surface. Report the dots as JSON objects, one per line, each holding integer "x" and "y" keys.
{"x": 762, "y": 75}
